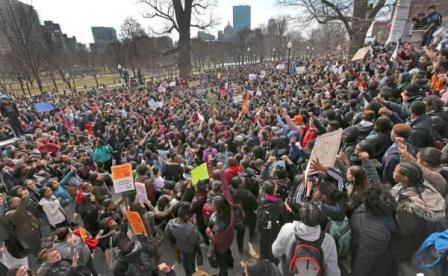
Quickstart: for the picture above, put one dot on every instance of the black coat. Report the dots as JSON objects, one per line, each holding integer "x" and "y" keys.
{"x": 422, "y": 132}
{"x": 137, "y": 262}
{"x": 381, "y": 142}
{"x": 372, "y": 254}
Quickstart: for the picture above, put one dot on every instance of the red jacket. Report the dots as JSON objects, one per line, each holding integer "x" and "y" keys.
{"x": 231, "y": 172}
{"x": 309, "y": 136}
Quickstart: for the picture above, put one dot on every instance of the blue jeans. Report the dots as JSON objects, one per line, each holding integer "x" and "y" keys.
{"x": 189, "y": 263}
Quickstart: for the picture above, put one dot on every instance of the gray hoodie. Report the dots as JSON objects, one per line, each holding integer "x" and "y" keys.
{"x": 281, "y": 248}
{"x": 185, "y": 234}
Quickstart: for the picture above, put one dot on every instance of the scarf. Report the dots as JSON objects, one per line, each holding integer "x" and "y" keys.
{"x": 429, "y": 205}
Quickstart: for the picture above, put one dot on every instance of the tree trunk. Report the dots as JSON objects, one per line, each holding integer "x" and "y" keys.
{"x": 21, "y": 86}
{"x": 184, "y": 59}
{"x": 67, "y": 81}
{"x": 360, "y": 25}
{"x": 96, "y": 80}
{"x": 54, "y": 81}
{"x": 28, "y": 88}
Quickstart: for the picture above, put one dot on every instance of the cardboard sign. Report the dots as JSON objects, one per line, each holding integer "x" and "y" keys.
{"x": 252, "y": 77}
{"x": 122, "y": 178}
{"x": 237, "y": 99}
{"x": 280, "y": 66}
{"x": 136, "y": 223}
{"x": 193, "y": 84}
{"x": 361, "y": 53}
{"x": 141, "y": 196}
{"x": 325, "y": 149}
{"x": 301, "y": 70}
{"x": 199, "y": 173}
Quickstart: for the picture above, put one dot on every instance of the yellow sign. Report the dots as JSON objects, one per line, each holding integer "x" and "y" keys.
{"x": 199, "y": 173}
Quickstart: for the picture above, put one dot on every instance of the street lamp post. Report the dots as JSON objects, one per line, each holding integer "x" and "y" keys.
{"x": 273, "y": 51}
{"x": 289, "y": 45}
{"x": 248, "y": 55}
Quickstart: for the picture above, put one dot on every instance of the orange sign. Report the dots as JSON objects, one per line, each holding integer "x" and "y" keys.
{"x": 136, "y": 223}
{"x": 121, "y": 171}
{"x": 122, "y": 178}
{"x": 246, "y": 103}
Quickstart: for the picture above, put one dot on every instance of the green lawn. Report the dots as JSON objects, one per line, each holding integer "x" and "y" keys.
{"x": 80, "y": 83}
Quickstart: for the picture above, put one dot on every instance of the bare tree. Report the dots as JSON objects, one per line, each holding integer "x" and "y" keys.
{"x": 280, "y": 32}
{"x": 356, "y": 15}
{"x": 180, "y": 16}
{"x": 20, "y": 26}
{"x": 132, "y": 33}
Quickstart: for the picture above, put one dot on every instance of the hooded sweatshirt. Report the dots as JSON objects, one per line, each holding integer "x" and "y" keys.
{"x": 282, "y": 246}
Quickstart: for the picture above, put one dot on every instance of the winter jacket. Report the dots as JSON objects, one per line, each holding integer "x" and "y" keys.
{"x": 222, "y": 240}
{"x": 390, "y": 160}
{"x": 372, "y": 252}
{"x": 184, "y": 235}
{"x": 102, "y": 154}
{"x": 67, "y": 250}
{"x": 417, "y": 216}
{"x": 286, "y": 238}
{"x": 62, "y": 195}
{"x": 422, "y": 132}
{"x": 62, "y": 268}
{"x": 52, "y": 209}
{"x": 381, "y": 142}
{"x": 137, "y": 262}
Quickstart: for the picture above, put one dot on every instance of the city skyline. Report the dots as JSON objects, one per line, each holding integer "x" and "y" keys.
{"x": 76, "y": 20}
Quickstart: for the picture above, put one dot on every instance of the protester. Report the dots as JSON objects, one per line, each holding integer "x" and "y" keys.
{"x": 269, "y": 162}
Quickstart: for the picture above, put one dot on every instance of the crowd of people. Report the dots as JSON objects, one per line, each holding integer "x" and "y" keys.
{"x": 379, "y": 210}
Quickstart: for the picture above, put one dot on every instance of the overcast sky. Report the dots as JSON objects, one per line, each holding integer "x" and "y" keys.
{"x": 77, "y": 16}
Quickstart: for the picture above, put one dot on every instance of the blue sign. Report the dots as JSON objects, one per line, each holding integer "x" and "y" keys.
{"x": 43, "y": 107}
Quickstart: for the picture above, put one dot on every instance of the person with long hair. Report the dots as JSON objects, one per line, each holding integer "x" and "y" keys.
{"x": 356, "y": 187}
{"x": 185, "y": 236}
{"x": 420, "y": 212}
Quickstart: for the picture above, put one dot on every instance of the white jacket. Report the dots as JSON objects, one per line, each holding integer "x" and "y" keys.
{"x": 52, "y": 209}
{"x": 281, "y": 248}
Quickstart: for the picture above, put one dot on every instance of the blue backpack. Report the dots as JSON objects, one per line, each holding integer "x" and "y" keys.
{"x": 433, "y": 252}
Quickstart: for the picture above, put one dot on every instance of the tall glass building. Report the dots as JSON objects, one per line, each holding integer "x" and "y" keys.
{"x": 241, "y": 18}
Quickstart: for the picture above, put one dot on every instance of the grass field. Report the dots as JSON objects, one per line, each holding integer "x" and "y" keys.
{"x": 88, "y": 81}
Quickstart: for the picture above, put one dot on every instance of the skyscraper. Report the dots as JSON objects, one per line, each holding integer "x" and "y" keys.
{"x": 241, "y": 18}
{"x": 103, "y": 36}
{"x": 15, "y": 15}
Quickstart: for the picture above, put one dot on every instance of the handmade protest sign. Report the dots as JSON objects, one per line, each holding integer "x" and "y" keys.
{"x": 361, "y": 53}
{"x": 193, "y": 84}
{"x": 122, "y": 178}
{"x": 199, "y": 173}
{"x": 325, "y": 150}
{"x": 238, "y": 99}
{"x": 142, "y": 196}
{"x": 136, "y": 223}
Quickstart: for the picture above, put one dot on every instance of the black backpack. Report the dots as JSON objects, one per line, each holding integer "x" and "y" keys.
{"x": 268, "y": 217}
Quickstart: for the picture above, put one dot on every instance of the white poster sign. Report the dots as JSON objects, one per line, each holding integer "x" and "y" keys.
{"x": 326, "y": 149}
{"x": 142, "y": 196}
